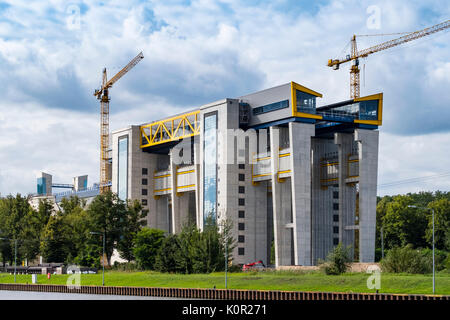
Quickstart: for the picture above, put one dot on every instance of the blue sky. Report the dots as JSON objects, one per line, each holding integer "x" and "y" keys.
{"x": 52, "y": 54}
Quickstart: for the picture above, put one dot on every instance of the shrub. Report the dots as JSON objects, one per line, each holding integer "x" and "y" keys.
{"x": 337, "y": 261}
{"x": 170, "y": 258}
{"x": 440, "y": 257}
{"x": 147, "y": 244}
{"x": 406, "y": 259}
{"x": 125, "y": 266}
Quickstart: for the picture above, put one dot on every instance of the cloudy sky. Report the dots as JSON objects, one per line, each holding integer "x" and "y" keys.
{"x": 52, "y": 54}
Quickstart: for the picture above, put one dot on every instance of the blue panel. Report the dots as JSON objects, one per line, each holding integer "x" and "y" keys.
{"x": 271, "y": 107}
{"x": 283, "y": 121}
{"x": 122, "y": 181}
{"x": 41, "y": 186}
{"x": 210, "y": 167}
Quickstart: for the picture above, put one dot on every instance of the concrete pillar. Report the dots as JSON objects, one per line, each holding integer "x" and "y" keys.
{"x": 300, "y": 143}
{"x": 281, "y": 203}
{"x": 368, "y": 170}
{"x": 180, "y": 202}
{"x": 347, "y": 192}
{"x": 198, "y": 203}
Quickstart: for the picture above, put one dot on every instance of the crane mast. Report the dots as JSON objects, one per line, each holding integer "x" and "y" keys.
{"x": 103, "y": 95}
{"x": 355, "y": 54}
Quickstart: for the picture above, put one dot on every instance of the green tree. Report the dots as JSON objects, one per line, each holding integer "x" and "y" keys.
{"x": 54, "y": 246}
{"x": 13, "y": 211}
{"x": 106, "y": 215}
{"x": 34, "y": 223}
{"x": 147, "y": 243}
{"x": 131, "y": 224}
{"x": 441, "y": 209}
{"x": 403, "y": 224}
{"x": 170, "y": 257}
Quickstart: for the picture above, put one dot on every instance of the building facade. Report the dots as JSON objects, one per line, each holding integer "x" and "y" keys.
{"x": 295, "y": 179}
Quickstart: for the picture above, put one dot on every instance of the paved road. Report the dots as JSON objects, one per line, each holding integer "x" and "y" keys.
{"x": 27, "y": 295}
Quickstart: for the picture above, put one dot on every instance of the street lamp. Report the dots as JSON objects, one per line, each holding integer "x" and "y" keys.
{"x": 103, "y": 256}
{"x": 432, "y": 210}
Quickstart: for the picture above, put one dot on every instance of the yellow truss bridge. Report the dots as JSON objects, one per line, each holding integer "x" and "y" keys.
{"x": 171, "y": 129}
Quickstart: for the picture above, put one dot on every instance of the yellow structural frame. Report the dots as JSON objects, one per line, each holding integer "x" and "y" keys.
{"x": 295, "y": 86}
{"x": 161, "y": 129}
{"x": 379, "y": 97}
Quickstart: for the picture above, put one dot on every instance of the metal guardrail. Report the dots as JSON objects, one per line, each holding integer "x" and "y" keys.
{"x": 221, "y": 294}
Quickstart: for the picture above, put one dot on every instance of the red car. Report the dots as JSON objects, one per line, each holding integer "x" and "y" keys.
{"x": 253, "y": 266}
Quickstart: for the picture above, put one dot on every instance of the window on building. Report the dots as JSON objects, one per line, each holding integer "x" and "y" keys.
{"x": 241, "y": 166}
{"x": 241, "y": 177}
{"x": 144, "y": 202}
{"x": 271, "y": 107}
{"x": 241, "y": 251}
{"x": 306, "y": 102}
{"x": 241, "y": 201}
{"x": 335, "y": 229}
{"x": 144, "y": 192}
{"x": 241, "y": 214}
{"x": 122, "y": 167}
{"x": 336, "y": 218}
{"x": 335, "y": 241}
{"x": 241, "y": 189}
{"x": 241, "y": 226}
{"x": 241, "y": 239}
{"x": 144, "y": 182}
{"x": 144, "y": 171}
{"x": 210, "y": 166}
{"x": 335, "y": 194}
{"x": 335, "y": 206}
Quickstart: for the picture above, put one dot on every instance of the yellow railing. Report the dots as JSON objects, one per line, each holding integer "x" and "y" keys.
{"x": 171, "y": 129}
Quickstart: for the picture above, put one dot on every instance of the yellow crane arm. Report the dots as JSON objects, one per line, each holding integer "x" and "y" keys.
{"x": 392, "y": 43}
{"x": 108, "y": 84}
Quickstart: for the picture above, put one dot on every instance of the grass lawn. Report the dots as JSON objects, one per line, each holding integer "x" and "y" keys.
{"x": 272, "y": 280}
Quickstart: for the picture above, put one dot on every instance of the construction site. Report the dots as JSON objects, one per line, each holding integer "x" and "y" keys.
{"x": 294, "y": 176}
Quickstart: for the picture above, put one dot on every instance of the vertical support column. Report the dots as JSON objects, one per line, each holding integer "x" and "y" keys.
{"x": 300, "y": 141}
{"x": 368, "y": 170}
{"x": 175, "y": 199}
{"x": 281, "y": 236}
{"x": 347, "y": 193}
{"x": 180, "y": 201}
{"x": 197, "y": 182}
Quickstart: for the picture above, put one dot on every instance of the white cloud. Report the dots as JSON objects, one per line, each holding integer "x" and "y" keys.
{"x": 199, "y": 53}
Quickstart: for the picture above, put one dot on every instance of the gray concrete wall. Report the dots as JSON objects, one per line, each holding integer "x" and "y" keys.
{"x": 322, "y": 202}
{"x": 368, "y": 170}
{"x": 347, "y": 192}
{"x": 300, "y": 143}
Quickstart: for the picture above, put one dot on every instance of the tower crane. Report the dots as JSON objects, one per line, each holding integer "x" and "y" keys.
{"x": 103, "y": 96}
{"x": 355, "y": 54}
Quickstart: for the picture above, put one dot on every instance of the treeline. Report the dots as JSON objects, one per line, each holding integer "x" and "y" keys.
{"x": 407, "y": 219}
{"x": 70, "y": 233}
{"x": 190, "y": 251}
{"x": 405, "y": 228}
